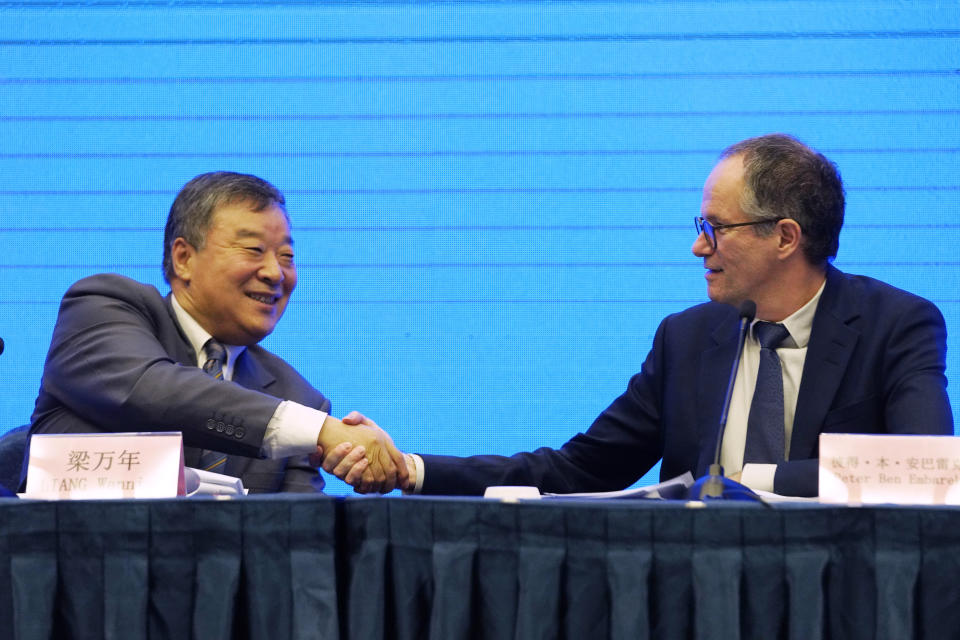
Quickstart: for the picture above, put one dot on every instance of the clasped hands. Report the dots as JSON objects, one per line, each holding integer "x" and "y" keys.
{"x": 361, "y": 454}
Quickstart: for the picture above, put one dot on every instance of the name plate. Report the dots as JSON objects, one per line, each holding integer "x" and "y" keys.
{"x": 105, "y": 465}
{"x": 887, "y": 469}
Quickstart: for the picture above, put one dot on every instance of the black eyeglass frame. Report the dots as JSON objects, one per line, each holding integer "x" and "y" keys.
{"x": 709, "y": 229}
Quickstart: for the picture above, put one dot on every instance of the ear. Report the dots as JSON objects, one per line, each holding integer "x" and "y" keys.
{"x": 182, "y": 255}
{"x": 789, "y": 235}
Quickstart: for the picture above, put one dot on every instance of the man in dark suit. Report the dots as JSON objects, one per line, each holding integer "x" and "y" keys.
{"x": 852, "y": 354}
{"x": 125, "y": 358}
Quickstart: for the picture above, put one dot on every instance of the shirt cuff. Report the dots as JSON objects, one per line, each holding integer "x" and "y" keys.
{"x": 758, "y": 477}
{"x": 293, "y": 430}
{"x": 418, "y": 466}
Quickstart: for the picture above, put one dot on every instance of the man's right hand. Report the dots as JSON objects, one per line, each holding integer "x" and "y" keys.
{"x": 386, "y": 468}
{"x": 348, "y": 464}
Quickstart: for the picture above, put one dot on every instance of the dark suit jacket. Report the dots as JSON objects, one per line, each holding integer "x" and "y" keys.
{"x": 875, "y": 364}
{"x": 118, "y": 361}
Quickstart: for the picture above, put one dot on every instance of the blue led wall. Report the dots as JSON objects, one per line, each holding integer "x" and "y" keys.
{"x": 492, "y": 201}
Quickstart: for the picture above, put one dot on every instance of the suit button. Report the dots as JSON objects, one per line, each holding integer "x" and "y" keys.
{"x": 229, "y": 430}
{"x": 220, "y": 427}
{"x": 239, "y": 432}
{"x": 211, "y": 423}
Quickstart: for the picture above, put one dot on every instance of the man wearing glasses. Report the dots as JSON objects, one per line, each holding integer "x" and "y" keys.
{"x": 828, "y": 352}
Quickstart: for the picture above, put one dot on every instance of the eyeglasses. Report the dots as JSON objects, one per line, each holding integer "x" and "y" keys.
{"x": 705, "y": 227}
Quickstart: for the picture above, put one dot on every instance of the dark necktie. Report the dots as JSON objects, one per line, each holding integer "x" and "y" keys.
{"x": 216, "y": 358}
{"x": 765, "y": 438}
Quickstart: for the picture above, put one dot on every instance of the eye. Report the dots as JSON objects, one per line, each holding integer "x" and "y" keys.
{"x": 285, "y": 258}
{"x": 254, "y": 250}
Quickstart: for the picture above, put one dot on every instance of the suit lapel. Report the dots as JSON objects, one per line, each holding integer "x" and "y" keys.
{"x": 182, "y": 351}
{"x": 831, "y": 344}
{"x": 715, "y": 363}
{"x": 247, "y": 372}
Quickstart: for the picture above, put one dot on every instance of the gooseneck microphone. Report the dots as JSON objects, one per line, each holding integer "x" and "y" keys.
{"x": 713, "y": 483}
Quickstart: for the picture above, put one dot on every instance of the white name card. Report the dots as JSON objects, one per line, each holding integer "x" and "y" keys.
{"x": 888, "y": 469}
{"x": 105, "y": 465}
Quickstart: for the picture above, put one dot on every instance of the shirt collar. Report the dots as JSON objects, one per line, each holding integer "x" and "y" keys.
{"x": 800, "y": 322}
{"x": 198, "y": 336}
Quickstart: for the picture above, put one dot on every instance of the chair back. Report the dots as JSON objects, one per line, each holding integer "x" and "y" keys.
{"x": 12, "y": 445}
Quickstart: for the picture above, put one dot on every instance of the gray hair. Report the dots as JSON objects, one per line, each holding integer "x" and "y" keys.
{"x": 191, "y": 213}
{"x": 784, "y": 178}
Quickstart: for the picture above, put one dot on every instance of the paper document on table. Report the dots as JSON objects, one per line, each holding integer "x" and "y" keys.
{"x": 769, "y": 497}
{"x": 672, "y": 489}
{"x": 207, "y": 483}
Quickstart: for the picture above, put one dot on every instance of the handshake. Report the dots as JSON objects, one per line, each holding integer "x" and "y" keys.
{"x": 361, "y": 454}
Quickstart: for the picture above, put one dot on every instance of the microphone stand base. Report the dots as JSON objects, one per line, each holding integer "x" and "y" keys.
{"x": 714, "y": 486}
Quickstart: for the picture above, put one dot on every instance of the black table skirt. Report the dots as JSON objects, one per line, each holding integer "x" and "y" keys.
{"x": 410, "y": 568}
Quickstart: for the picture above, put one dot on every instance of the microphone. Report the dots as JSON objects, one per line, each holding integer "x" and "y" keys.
{"x": 713, "y": 484}
{"x": 1, "y": 345}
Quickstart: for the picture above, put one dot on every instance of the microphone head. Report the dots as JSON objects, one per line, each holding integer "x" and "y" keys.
{"x": 748, "y": 310}
{"x": 1, "y": 345}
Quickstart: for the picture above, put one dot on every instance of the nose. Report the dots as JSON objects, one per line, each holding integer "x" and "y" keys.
{"x": 701, "y": 246}
{"x": 270, "y": 269}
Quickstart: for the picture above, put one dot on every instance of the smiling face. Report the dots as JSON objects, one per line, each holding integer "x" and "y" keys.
{"x": 238, "y": 285}
{"x": 745, "y": 264}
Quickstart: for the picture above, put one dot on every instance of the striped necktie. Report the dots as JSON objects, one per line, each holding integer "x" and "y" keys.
{"x": 216, "y": 358}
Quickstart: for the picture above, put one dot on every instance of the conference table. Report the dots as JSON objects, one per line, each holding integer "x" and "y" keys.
{"x": 286, "y": 566}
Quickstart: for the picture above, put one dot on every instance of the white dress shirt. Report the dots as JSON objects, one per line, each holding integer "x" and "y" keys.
{"x": 792, "y": 353}
{"x": 293, "y": 429}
